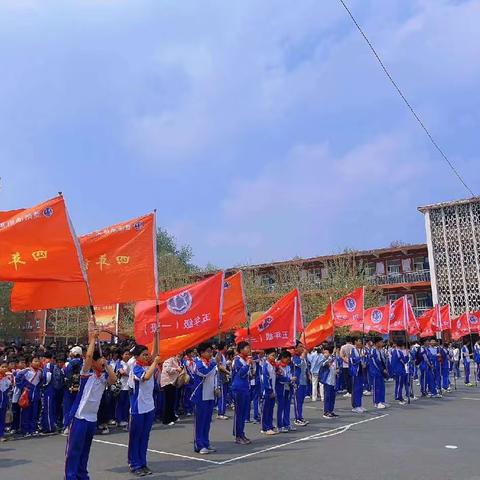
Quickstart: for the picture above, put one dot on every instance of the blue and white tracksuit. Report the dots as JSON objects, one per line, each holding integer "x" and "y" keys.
{"x": 328, "y": 374}
{"x": 300, "y": 369}
{"x": 122, "y": 408}
{"x": 377, "y": 366}
{"x": 241, "y": 394}
{"x": 255, "y": 390}
{"x": 142, "y": 415}
{"x": 269, "y": 377}
{"x": 356, "y": 372}
{"x": 283, "y": 390}
{"x": 5, "y": 388}
{"x": 205, "y": 381}
{"x": 49, "y": 414}
{"x": 30, "y": 379}
{"x": 400, "y": 370}
{"x": 466, "y": 363}
{"x": 82, "y": 420}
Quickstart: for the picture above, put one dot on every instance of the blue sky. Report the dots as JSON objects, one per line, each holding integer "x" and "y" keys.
{"x": 259, "y": 130}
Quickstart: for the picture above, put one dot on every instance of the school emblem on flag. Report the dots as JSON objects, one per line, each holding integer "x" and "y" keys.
{"x": 473, "y": 319}
{"x": 377, "y": 316}
{"x": 138, "y": 226}
{"x": 48, "y": 212}
{"x": 350, "y": 304}
{"x": 180, "y": 304}
{"x": 267, "y": 321}
{"x": 226, "y": 285}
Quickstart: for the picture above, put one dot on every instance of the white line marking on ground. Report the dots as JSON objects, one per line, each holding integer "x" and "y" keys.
{"x": 470, "y": 398}
{"x": 451, "y": 447}
{"x": 162, "y": 453}
{"x": 315, "y": 436}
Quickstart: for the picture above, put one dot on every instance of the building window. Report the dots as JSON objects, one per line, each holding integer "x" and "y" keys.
{"x": 420, "y": 264}
{"x": 380, "y": 268}
{"x": 315, "y": 275}
{"x": 393, "y": 267}
{"x": 424, "y": 300}
{"x": 393, "y": 296}
{"x": 267, "y": 279}
{"x": 37, "y": 324}
{"x": 370, "y": 269}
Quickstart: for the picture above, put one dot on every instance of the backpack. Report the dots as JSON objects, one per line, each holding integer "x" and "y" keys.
{"x": 58, "y": 379}
{"x": 72, "y": 380}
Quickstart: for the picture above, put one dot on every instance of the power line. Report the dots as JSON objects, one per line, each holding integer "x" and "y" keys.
{"x": 407, "y": 103}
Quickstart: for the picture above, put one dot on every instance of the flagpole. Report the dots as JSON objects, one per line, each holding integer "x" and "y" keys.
{"x": 156, "y": 343}
{"x": 473, "y": 349}
{"x": 407, "y": 346}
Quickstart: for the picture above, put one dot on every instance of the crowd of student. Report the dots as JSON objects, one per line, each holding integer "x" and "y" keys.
{"x": 82, "y": 392}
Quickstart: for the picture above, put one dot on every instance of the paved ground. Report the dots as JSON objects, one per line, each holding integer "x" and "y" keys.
{"x": 397, "y": 443}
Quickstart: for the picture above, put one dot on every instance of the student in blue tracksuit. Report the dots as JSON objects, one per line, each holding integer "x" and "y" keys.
{"x": 6, "y": 383}
{"x": 82, "y": 418}
{"x": 284, "y": 384}
{"x": 269, "y": 377}
{"x": 300, "y": 371}
{"x": 241, "y": 373}
{"x": 223, "y": 376}
{"x": 189, "y": 364}
{"x": 367, "y": 376}
{"x": 142, "y": 407}
{"x": 71, "y": 371}
{"x": 49, "y": 415}
{"x": 444, "y": 368}
{"x": 205, "y": 387}
{"x": 255, "y": 388}
{"x": 30, "y": 380}
{"x": 379, "y": 371}
{"x": 356, "y": 364}
{"x": 433, "y": 370}
{"x": 400, "y": 370}
{"x": 465, "y": 353}
{"x": 328, "y": 373}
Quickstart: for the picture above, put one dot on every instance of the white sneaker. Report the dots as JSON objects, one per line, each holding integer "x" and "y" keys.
{"x": 402, "y": 402}
{"x": 366, "y": 393}
{"x": 270, "y": 432}
{"x": 204, "y": 451}
{"x": 363, "y": 409}
{"x": 308, "y": 397}
{"x": 357, "y": 410}
{"x": 283, "y": 430}
{"x": 380, "y": 406}
{"x": 347, "y": 395}
{"x": 122, "y": 424}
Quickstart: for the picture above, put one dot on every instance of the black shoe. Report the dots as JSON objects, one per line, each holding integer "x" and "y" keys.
{"x": 139, "y": 472}
{"x": 147, "y": 471}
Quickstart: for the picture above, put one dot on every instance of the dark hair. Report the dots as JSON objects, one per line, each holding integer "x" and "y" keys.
{"x": 203, "y": 347}
{"x": 377, "y": 339}
{"x": 138, "y": 349}
{"x": 221, "y": 346}
{"x": 188, "y": 351}
{"x": 285, "y": 354}
{"x": 96, "y": 355}
{"x": 48, "y": 355}
{"x": 269, "y": 351}
{"x": 400, "y": 343}
{"x": 348, "y": 338}
{"x": 241, "y": 346}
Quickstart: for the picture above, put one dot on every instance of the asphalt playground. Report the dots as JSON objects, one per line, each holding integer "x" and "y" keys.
{"x": 431, "y": 439}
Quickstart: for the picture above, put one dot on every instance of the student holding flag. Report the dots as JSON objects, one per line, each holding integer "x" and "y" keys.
{"x": 400, "y": 370}
{"x": 96, "y": 373}
{"x": 205, "y": 388}
{"x": 269, "y": 378}
{"x": 356, "y": 364}
{"x": 378, "y": 371}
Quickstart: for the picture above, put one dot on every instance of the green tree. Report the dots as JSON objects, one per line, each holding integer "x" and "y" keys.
{"x": 10, "y": 323}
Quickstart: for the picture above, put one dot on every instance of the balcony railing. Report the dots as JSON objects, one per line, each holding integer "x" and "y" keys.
{"x": 395, "y": 278}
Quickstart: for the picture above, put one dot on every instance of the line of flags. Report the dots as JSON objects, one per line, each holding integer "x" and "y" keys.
{"x": 51, "y": 268}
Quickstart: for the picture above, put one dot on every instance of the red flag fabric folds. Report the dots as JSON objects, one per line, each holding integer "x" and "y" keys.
{"x": 460, "y": 327}
{"x": 349, "y": 309}
{"x": 402, "y": 317}
{"x": 319, "y": 329}
{"x": 376, "y": 320}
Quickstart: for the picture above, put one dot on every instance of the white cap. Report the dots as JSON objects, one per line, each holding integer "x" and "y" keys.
{"x": 76, "y": 351}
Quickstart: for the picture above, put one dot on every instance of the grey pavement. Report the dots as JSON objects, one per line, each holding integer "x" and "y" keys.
{"x": 401, "y": 442}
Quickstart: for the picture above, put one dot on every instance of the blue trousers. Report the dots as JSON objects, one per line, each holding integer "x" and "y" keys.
{"x": 329, "y": 398}
{"x": 378, "y": 389}
{"x": 357, "y": 390}
{"x": 401, "y": 383}
{"x": 267, "y": 412}
{"x": 159, "y": 400}
{"x": 242, "y": 406}
{"x": 466, "y": 367}
{"x": 16, "y": 410}
{"x": 222, "y": 400}
{"x": 300, "y": 394}
{"x": 431, "y": 381}
{"x": 445, "y": 378}
{"x": 284, "y": 399}
{"x": 49, "y": 415}
{"x": 139, "y": 434}
{"x": 78, "y": 448}
{"x": 68, "y": 399}
{"x": 255, "y": 392}
{"x": 123, "y": 406}
{"x": 3, "y": 412}
{"x": 203, "y": 419}
{"x": 423, "y": 380}
{"x": 187, "y": 401}
{"x": 29, "y": 417}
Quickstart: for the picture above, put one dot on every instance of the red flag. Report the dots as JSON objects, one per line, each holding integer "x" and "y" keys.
{"x": 474, "y": 322}
{"x": 277, "y": 327}
{"x": 429, "y": 322}
{"x": 39, "y": 244}
{"x": 445, "y": 319}
{"x": 349, "y": 309}
{"x": 402, "y": 317}
{"x": 121, "y": 261}
{"x": 460, "y": 327}
{"x": 184, "y": 310}
{"x": 234, "y": 308}
{"x": 319, "y": 329}
{"x": 376, "y": 320}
